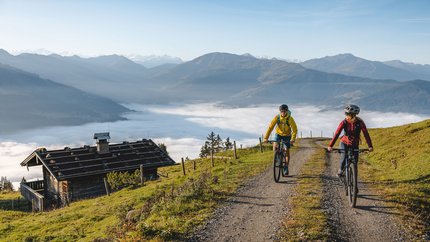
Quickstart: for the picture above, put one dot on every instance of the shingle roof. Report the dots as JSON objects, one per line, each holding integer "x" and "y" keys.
{"x": 78, "y": 162}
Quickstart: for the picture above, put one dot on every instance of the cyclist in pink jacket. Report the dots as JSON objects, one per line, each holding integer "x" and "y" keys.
{"x": 351, "y": 126}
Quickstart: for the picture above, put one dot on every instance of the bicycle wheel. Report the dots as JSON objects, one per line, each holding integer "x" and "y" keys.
{"x": 345, "y": 181}
{"x": 277, "y": 166}
{"x": 350, "y": 186}
{"x": 353, "y": 191}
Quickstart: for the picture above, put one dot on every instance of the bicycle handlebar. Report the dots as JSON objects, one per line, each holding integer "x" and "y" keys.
{"x": 275, "y": 141}
{"x": 344, "y": 150}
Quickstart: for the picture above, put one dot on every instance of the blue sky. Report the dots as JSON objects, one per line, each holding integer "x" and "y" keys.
{"x": 294, "y": 30}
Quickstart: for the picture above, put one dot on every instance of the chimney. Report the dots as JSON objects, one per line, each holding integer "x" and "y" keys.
{"x": 102, "y": 142}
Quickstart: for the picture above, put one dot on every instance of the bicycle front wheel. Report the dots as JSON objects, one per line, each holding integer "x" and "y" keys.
{"x": 353, "y": 187}
{"x": 277, "y": 166}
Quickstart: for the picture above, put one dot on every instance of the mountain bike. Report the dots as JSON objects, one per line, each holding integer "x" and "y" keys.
{"x": 350, "y": 174}
{"x": 279, "y": 159}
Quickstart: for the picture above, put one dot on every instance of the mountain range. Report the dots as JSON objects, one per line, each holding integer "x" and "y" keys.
{"x": 220, "y": 77}
{"x": 351, "y": 65}
{"x": 155, "y": 60}
{"x": 28, "y": 101}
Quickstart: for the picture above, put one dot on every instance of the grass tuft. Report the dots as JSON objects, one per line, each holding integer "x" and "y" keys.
{"x": 307, "y": 221}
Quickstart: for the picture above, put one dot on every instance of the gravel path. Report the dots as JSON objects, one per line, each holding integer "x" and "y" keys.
{"x": 372, "y": 219}
{"x": 256, "y": 211}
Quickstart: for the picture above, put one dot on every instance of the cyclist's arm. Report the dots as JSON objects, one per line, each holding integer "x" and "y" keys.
{"x": 366, "y": 135}
{"x": 293, "y": 129}
{"x": 270, "y": 129}
{"x": 336, "y": 135}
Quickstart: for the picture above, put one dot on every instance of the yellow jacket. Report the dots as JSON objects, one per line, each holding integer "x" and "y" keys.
{"x": 282, "y": 128}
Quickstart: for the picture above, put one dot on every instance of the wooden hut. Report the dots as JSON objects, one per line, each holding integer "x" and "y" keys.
{"x": 71, "y": 174}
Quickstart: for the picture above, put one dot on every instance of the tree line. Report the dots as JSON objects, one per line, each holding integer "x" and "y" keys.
{"x": 5, "y": 184}
{"x": 215, "y": 143}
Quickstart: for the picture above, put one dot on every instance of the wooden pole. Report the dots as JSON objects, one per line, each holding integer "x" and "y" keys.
{"x": 212, "y": 157}
{"x": 261, "y": 145}
{"x": 235, "y": 153}
{"x": 183, "y": 165}
{"x": 106, "y": 186}
{"x": 194, "y": 164}
{"x": 142, "y": 177}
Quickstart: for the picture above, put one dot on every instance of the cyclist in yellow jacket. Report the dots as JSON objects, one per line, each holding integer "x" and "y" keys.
{"x": 286, "y": 130}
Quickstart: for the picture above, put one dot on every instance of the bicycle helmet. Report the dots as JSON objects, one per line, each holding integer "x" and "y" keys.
{"x": 283, "y": 107}
{"x": 351, "y": 109}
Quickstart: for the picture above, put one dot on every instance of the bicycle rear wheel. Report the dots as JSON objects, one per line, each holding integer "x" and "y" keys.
{"x": 277, "y": 165}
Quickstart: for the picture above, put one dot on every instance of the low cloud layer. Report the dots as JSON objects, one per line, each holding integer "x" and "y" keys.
{"x": 183, "y": 128}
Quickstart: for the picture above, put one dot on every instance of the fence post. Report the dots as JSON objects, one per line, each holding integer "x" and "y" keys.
{"x": 261, "y": 145}
{"x": 235, "y": 153}
{"x": 194, "y": 164}
{"x": 42, "y": 206}
{"x": 106, "y": 186}
{"x": 212, "y": 158}
{"x": 183, "y": 165}
{"x": 142, "y": 177}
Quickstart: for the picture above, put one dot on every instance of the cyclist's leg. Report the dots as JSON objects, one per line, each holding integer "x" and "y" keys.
{"x": 342, "y": 159}
{"x": 277, "y": 138}
{"x": 287, "y": 140}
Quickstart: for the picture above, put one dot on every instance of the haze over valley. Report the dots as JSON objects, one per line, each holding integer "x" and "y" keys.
{"x": 92, "y": 89}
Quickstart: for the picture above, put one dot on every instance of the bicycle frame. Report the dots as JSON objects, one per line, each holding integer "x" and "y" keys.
{"x": 351, "y": 173}
{"x": 279, "y": 159}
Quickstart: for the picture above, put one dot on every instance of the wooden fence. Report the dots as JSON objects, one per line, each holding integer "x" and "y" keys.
{"x": 37, "y": 200}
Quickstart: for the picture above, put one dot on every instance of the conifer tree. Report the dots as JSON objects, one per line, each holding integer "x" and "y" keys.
{"x": 218, "y": 144}
{"x": 163, "y": 147}
{"x": 5, "y": 184}
{"x": 205, "y": 150}
{"x": 227, "y": 144}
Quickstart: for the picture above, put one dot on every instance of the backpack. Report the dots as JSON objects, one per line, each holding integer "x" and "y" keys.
{"x": 279, "y": 120}
{"x": 357, "y": 129}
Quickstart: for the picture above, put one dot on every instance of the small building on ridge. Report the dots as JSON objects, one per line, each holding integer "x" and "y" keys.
{"x": 72, "y": 174}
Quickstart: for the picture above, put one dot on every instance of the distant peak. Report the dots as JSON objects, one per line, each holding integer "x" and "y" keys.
{"x": 4, "y": 52}
{"x": 346, "y": 55}
{"x": 248, "y": 55}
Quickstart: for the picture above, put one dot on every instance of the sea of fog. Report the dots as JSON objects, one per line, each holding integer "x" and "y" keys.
{"x": 182, "y": 128}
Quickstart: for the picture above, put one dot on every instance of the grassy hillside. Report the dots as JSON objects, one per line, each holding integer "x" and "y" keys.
{"x": 400, "y": 166}
{"x": 168, "y": 208}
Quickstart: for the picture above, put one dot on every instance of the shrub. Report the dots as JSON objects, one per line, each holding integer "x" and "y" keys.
{"x": 118, "y": 180}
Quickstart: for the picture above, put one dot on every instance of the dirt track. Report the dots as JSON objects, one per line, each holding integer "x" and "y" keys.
{"x": 256, "y": 211}
{"x": 371, "y": 220}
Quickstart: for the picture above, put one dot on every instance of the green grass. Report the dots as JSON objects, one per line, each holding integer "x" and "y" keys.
{"x": 400, "y": 168}
{"x": 307, "y": 221}
{"x": 167, "y": 208}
